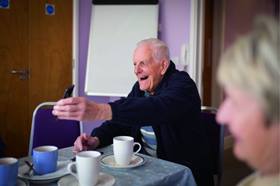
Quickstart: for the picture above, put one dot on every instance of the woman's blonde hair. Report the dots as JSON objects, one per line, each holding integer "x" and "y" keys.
{"x": 252, "y": 63}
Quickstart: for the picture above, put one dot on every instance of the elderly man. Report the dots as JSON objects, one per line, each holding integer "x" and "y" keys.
{"x": 163, "y": 102}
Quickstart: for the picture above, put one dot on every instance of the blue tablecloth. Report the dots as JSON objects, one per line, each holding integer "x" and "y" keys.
{"x": 153, "y": 172}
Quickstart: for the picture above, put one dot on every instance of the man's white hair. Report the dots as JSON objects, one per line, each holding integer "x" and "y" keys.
{"x": 159, "y": 49}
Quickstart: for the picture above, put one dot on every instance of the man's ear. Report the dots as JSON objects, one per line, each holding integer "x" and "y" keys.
{"x": 164, "y": 66}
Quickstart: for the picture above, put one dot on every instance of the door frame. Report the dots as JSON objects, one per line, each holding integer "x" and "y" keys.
{"x": 75, "y": 45}
{"x": 195, "y": 58}
{"x": 196, "y": 47}
{"x": 75, "y": 51}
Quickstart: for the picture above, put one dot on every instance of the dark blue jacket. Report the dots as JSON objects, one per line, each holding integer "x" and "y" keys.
{"x": 173, "y": 111}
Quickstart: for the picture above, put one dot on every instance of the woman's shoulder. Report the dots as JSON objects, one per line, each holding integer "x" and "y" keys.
{"x": 256, "y": 179}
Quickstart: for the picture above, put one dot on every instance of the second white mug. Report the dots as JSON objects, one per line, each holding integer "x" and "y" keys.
{"x": 87, "y": 166}
{"x": 123, "y": 149}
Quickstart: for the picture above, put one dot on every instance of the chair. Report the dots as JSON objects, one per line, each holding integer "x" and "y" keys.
{"x": 215, "y": 135}
{"x": 46, "y": 129}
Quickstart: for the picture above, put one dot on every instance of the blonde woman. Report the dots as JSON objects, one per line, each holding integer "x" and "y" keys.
{"x": 249, "y": 72}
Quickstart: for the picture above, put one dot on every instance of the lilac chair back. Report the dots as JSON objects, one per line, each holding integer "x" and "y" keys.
{"x": 48, "y": 130}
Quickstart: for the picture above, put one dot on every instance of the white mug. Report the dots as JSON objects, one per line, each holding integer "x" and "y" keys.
{"x": 87, "y": 166}
{"x": 123, "y": 149}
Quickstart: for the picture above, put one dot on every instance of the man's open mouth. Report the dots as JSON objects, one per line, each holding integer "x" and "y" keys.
{"x": 144, "y": 78}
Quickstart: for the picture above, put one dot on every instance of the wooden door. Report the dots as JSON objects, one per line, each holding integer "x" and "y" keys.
{"x": 13, "y": 90}
{"x": 50, "y": 50}
{"x": 208, "y": 50}
{"x": 42, "y": 44}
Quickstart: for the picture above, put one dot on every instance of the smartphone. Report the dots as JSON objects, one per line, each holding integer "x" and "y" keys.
{"x": 68, "y": 92}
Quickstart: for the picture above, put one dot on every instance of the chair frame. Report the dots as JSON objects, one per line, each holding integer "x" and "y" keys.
{"x": 219, "y": 175}
{"x": 40, "y": 106}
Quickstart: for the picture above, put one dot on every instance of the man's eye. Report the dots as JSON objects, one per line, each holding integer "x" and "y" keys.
{"x": 142, "y": 63}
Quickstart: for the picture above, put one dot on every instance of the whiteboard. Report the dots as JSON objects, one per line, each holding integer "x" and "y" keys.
{"x": 114, "y": 32}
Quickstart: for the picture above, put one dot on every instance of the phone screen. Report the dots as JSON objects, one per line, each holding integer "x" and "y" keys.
{"x": 68, "y": 92}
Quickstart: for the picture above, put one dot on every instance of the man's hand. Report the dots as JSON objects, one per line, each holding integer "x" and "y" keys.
{"x": 81, "y": 109}
{"x": 85, "y": 142}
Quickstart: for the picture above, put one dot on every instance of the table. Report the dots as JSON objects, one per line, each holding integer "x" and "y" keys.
{"x": 154, "y": 172}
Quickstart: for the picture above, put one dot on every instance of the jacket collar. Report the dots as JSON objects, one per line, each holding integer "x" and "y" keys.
{"x": 171, "y": 69}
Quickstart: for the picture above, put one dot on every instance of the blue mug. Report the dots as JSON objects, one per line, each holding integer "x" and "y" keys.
{"x": 44, "y": 159}
{"x": 8, "y": 171}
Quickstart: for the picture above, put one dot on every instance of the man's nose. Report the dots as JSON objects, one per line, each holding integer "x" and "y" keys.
{"x": 137, "y": 70}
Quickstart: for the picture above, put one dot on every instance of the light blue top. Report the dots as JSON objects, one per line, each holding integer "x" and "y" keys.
{"x": 149, "y": 138}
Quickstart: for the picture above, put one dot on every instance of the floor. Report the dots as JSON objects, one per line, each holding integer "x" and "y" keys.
{"x": 233, "y": 170}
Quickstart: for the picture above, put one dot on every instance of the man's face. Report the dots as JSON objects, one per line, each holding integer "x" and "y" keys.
{"x": 148, "y": 71}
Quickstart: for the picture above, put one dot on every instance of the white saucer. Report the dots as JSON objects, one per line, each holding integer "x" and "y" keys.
{"x": 109, "y": 161}
{"x": 46, "y": 178}
{"x": 103, "y": 180}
